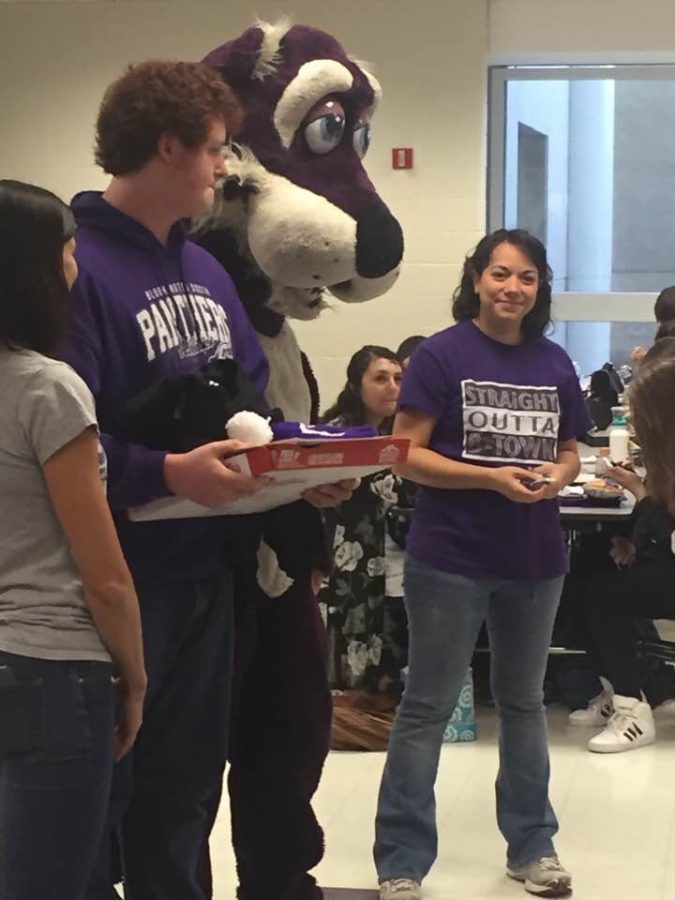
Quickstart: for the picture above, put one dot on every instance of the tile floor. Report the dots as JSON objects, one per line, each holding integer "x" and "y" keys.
{"x": 617, "y": 817}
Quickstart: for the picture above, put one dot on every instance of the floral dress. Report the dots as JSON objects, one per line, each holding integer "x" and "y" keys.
{"x": 367, "y": 631}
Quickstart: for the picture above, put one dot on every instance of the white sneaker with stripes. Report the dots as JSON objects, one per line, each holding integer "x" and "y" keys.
{"x": 598, "y": 711}
{"x": 630, "y": 726}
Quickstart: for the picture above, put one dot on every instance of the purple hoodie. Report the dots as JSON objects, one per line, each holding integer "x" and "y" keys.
{"x": 142, "y": 311}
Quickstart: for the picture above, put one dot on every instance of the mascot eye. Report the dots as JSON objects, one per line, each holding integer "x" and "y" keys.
{"x": 362, "y": 139}
{"x": 325, "y": 129}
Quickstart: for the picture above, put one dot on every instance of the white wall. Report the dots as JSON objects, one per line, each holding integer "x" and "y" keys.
{"x": 56, "y": 58}
{"x": 597, "y": 31}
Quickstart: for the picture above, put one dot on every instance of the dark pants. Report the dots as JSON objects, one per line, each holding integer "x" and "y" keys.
{"x": 605, "y": 611}
{"x": 56, "y": 732}
{"x": 280, "y": 739}
{"x": 160, "y": 794}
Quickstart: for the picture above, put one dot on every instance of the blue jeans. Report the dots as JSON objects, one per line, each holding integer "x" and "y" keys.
{"x": 56, "y": 760}
{"x": 445, "y": 613}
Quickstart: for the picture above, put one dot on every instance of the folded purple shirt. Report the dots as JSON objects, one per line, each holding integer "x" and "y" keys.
{"x": 286, "y": 431}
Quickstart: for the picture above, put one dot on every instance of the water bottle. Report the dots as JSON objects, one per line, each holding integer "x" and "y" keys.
{"x": 618, "y": 435}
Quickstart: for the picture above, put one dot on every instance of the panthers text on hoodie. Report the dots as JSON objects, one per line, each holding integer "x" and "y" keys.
{"x": 141, "y": 311}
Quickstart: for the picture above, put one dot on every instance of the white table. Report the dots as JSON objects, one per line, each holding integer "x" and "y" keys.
{"x": 571, "y": 514}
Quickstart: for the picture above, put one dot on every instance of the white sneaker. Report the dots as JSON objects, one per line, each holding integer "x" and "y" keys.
{"x": 400, "y": 889}
{"x": 667, "y": 707}
{"x": 545, "y": 877}
{"x": 596, "y": 713}
{"x": 630, "y": 726}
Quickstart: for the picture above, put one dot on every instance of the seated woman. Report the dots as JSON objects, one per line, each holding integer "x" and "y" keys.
{"x": 363, "y": 630}
{"x": 642, "y": 583}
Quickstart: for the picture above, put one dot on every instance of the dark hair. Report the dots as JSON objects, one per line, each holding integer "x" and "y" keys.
{"x": 408, "y": 346}
{"x": 652, "y": 400}
{"x": 664, "y": 307}
{"x": 349, "y": 406}
{"x": 155, "y": 98}
{"x": 466, "y": 303}
{"x": 34, "y": 296}
{"x": 665, "y": 330}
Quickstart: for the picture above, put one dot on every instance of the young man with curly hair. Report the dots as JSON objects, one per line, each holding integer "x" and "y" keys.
{"x": 150, "y": 303}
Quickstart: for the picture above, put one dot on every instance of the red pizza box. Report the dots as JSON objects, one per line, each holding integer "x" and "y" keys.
{"x": 295, "y": 466}
{"x": 282, "y": 456}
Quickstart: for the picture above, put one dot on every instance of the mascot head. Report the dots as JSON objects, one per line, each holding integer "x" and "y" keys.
{"x": 298, "y": 212}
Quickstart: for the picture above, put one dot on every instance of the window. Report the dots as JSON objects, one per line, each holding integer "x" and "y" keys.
{"x": 591, "y": 344}
{"x": 584, "y": 157}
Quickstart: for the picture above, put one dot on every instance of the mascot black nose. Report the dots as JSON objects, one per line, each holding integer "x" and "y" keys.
{"x": 379, "y": 243}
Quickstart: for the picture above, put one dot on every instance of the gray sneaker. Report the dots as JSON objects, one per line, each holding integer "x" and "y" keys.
{"x": 545, "y": 877}
{"x": 400, "y": 889}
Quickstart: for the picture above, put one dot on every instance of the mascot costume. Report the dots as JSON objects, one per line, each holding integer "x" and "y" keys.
{"x": 297, "y": 218}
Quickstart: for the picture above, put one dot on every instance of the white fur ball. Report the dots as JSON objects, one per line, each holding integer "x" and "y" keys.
{"x": 250, "y": 428}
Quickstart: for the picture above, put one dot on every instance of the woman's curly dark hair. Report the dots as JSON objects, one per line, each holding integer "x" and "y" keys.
{"x": 160, "y": 97}
{"x": 465, "y": 300}
{"x": 348, "y": 407}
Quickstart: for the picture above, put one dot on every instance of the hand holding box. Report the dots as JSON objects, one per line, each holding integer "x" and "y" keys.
{"x": 294, "y": 467}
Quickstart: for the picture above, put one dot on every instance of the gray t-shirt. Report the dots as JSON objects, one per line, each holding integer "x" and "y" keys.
{"x": 44, "y": 404}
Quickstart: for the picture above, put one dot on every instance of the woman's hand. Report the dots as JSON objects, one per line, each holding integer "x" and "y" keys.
{"x": 637, "y": 354}
{"x": 555, "y": 476}
{"x": 130, "y": 699}
{"x": 511, "y": 482}
{"x": 629, "y": 480}
{"x": 623, "y": 551}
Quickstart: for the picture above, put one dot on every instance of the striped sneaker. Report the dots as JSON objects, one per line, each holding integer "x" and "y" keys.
{"x": 545, "y": 877}
{"x": 598, "y": 711}
{"x": 630, "y": 726}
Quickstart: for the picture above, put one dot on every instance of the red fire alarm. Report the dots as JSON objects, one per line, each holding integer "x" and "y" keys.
{"x": 402, "y": 158}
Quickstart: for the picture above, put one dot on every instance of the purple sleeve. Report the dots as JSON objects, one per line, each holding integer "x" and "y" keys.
{"x": 135, "y": 474}
{"x": 426, "y": 384}
{"x": 575, "y": 420}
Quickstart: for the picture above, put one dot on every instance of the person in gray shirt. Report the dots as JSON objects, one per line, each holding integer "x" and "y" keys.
{"x": 69, "y": 615}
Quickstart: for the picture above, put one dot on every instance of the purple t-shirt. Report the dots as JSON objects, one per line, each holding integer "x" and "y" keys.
{"x": 494, "y": 404}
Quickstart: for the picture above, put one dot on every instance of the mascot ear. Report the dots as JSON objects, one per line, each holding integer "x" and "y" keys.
{"x": 237, "y": 59}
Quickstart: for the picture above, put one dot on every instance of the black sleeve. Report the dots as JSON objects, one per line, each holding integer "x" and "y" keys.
{"x": 652, "y": 528}
{"x": 313, "y": 386}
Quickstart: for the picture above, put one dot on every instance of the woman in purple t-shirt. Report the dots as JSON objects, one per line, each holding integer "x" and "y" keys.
{"x": 492, "y": 409}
